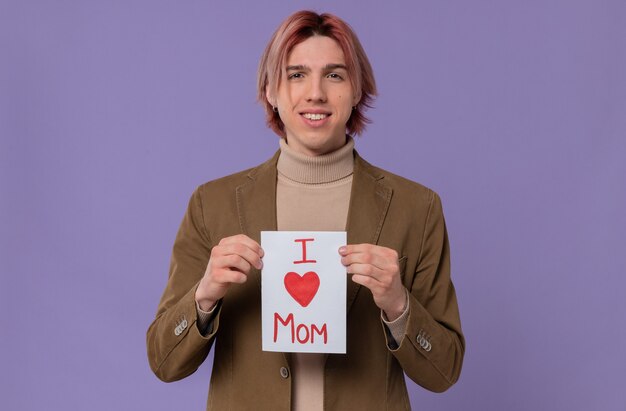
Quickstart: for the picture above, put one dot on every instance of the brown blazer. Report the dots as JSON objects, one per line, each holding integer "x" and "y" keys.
{"x": 384, "y": 209}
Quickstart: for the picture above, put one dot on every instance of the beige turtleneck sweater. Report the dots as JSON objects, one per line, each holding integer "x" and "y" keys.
{"x": 312, "y": 194}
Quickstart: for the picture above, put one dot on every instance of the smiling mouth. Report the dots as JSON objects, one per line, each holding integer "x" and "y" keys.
{"x": 314, "y": 116}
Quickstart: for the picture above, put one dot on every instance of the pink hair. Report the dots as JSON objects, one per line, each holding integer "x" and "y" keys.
{"x": 294, "y": 30}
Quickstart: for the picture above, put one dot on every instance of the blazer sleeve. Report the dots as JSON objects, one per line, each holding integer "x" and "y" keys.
{"x": 431, "y": 352}
{"x": 175, "y": 345}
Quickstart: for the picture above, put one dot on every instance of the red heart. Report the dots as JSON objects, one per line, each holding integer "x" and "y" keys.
{"x": 302, "y": 288}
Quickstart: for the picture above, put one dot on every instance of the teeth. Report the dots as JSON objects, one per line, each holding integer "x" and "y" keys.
{"x": 312, "y": 116}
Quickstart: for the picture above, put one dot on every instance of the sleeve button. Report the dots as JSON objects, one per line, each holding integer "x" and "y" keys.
{"x": 284, "y": 372}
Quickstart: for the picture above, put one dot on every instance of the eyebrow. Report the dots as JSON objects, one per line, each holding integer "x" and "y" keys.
{"x": 302, "y": 67}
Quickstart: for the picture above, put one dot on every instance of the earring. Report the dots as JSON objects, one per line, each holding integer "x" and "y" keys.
{"x": 275, "y": 109}
{"x": 353, "y": 108}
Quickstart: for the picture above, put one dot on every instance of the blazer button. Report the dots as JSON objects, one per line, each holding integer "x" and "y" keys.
{"x": 284, "y": 372}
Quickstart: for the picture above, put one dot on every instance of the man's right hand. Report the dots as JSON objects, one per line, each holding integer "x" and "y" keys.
{"x": 230, "y": 262}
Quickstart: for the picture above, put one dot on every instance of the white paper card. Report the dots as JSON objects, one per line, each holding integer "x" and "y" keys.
{"x": 303, "y": 285}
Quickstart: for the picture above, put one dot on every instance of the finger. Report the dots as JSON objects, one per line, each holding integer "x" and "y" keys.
{"x": 355, "y": 248}
{"x": 368, "y": 282}
{"x": 238, "y": 249}
{"x": 232, "y": 262}
{"x": 385, "y": 252}
{"x": 378, "y": 284}
{"x": 366, "y": 270}
{"x": 227, "y": 276}
{"x": 244, "y": 240}
{"x": 377, "y": 261}
{"x": 383, "y": 257}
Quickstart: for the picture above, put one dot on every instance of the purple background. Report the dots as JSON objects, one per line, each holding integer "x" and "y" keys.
{"x": 112, "y": 112}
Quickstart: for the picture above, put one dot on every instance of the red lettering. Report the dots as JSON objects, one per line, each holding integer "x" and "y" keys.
{"x": 285, "y": 323}
{"x": 322, "y": 332}
{"x": 304, "y": 241}
{"x": 303, "y": 333}
{"x": 306, "y": 335}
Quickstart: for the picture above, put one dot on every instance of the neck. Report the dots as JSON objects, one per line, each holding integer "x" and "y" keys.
{"x": 323, "y": 169}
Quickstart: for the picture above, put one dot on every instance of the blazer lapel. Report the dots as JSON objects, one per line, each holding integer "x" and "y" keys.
{"x": 256, "y": 200}
{"x": 369, "y": 202}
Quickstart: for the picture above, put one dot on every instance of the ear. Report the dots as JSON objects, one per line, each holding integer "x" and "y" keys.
{"x": 356, "y": 99}
{"x": 269, "y": 97}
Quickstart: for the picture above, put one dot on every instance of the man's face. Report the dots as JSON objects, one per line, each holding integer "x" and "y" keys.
{"x": 315, "y": 97}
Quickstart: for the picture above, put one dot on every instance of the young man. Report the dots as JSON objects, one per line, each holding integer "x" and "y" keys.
{"x": 315, "y": 81}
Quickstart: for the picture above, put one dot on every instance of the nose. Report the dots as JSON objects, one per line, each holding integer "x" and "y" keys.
{"x": 316, "y": 92}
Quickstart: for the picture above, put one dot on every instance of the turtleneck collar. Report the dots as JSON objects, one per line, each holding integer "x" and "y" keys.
{"x": 322, "y": 169}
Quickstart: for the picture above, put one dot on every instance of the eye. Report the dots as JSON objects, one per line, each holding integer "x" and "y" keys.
{"x": 295, "y": 76}
{"x": 335, "y": 76}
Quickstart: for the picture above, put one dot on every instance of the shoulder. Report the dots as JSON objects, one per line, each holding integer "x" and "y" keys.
{"x": 229, "y": 183}
{"x": 403, "y": 189}
{"x": 216, "y": 204}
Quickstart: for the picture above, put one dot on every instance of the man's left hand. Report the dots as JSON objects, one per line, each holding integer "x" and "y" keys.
{"x": 377, "y": 268}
